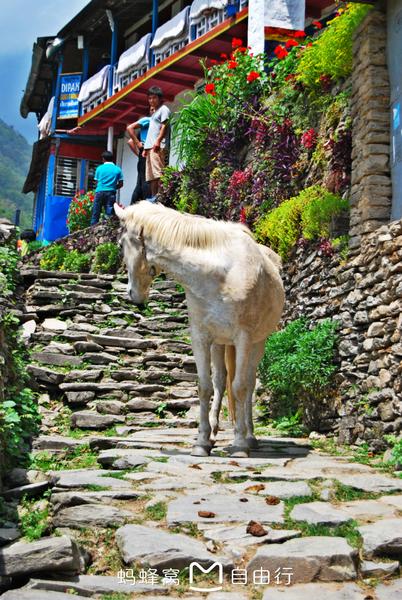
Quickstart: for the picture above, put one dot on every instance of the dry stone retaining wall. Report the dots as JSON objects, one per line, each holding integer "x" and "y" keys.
{"x": 371, "y": 180}
{"x": 364, "y": 293}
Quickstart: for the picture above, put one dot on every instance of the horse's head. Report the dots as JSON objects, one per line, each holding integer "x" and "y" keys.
{"x": 140, "y": 272}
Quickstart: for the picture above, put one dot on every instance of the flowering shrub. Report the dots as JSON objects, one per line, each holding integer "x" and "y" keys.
{"x": 79, "y": 212}
{"x": 306, "y": 215}
{"x": 331, "y": 53}
{"x": 230, "y": 85}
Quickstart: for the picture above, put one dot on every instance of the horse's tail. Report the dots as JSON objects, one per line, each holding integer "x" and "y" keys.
{"x": 230, "y": 362}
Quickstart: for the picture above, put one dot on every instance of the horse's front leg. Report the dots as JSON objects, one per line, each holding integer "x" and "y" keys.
{"x": 240, "y": 386}
{"x": 202, "y": 355}
{"x": 219, "y": 383}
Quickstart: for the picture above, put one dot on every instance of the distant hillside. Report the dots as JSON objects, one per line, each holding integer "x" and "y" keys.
{"x": 15, "y": 156}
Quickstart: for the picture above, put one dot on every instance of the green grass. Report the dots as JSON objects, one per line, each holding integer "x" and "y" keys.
{"x": 157, "y": 512}
{"x": 346, "y": 493}
{"x": 188, "y": 528}
{"x": 33, "y": 523}
{"x": 159, "y": 459}
{"x": 119, "y": 474}
{"x": 81, "y": 457}
{"x": 347, "y": 530}
{"x": 92, "y": 487}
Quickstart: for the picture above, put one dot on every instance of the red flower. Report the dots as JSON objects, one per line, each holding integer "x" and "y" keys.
{"x": 317, "y": 24}
{"x": 309, "y": 138}
{"x": 291, "y": 44}
{"x": 309, "y": 45}
{"x": 243, "y": 217}
{"x": 232, "y": 64}
{"x": 213, "y": 61}
{"x": 242, "y": 50}
{"x": 224, "y": 55}
{"x": 237, "y": 42}
{"x": 290, "y": 77}
{"x": 299, "y": 34}
{"x": 210, "y": 89}
{"x": 252, "y": 76}
{"x": 280, "y": 52}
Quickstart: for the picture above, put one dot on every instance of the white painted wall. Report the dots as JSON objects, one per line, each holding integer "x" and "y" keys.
{"x": 128, "y": 163}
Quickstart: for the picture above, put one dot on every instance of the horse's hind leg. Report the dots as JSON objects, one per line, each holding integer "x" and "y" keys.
{"x": 202, "y": 355}
{"x": 219, "y": 383}
{"x": 255, "y": 357}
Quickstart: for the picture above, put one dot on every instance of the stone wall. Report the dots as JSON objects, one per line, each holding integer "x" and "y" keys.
{"x": 364, "y": 293}
{"x": 371, "y": 180}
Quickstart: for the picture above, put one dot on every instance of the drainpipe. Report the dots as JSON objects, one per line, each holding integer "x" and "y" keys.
{"x": 85, "y": 68}
{"x": 110, "y": 133}
{"x": 113, "y": 49}
{"x": 155, "y": 10}
{"x": 57, "y": 93}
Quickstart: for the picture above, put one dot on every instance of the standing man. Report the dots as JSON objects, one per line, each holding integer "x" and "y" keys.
{"x": 109, "y": 178}
{"x": 155, "y": 143}
{"x": 136, "y": 143}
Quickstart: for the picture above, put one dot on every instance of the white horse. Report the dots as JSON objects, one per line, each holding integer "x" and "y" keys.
{"x": 234, "y": 296}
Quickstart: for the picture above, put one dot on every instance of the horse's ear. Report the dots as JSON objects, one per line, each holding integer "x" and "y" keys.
{"x": 120, "y": 212}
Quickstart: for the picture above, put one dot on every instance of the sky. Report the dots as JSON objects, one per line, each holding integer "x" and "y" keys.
{"x": 22, "y": 21}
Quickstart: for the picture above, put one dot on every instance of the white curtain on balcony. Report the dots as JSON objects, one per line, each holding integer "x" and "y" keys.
{"x": 175, "y": 28}
{"x": 287, "y": 14}
{"x": 200, "y": 6}
{"x": 135, "y": 55}
{"x": 46, "y": 121}
{"x": 95, "y": 84}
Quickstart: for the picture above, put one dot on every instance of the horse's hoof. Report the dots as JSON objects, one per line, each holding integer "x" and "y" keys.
{"x": 240, "y": 453}
{"x": 200, "y": 451}
{"x": 252, "y": 442}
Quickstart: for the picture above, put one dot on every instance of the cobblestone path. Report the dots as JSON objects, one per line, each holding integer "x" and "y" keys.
{"x": 120, "y": 508}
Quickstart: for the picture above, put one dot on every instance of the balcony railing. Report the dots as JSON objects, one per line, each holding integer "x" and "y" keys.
{"x": 191, "y": 23}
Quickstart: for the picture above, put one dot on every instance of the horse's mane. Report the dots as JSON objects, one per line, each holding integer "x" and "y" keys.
{"x": 176, "y": 230}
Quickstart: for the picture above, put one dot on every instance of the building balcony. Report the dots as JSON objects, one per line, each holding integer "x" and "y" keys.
{"x": 169, "y": 59}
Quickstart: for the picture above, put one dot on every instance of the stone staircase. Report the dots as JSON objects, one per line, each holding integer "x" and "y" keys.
{"x": 126, "y": 508}
{"x": 112, "y": 366}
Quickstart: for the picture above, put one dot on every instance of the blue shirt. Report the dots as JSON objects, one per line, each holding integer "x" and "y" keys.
{"x": 107, "y": 177}
{"x": 144, "y": 126}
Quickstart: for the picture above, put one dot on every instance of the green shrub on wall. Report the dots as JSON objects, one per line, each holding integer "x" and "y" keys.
{"x": 19, "y": 417}
{"x": 298, "y": 367}
{"x": 306, "y": 215}
{"x": 76, "y": 262}
{"x": 107, "y": 258}
{"x": 53, "y": 257}
{"x": 331, "y": 54}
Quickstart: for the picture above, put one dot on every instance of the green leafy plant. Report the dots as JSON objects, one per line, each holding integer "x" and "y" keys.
{"x": 53, "y": 257}
{"x": 331, "y": 53}
{"x": 290, "y": 425}
{"x": 306, "y": 215}
{"x": 79, "y": 211}
{"x": 396, "y": 453}
{"x": 34, "y": 246}
{"x": 77, "y": 262}
{"x": 107, "y": 258}
{"x": 8, "y": 267}
{"x": 34, "y": 521}
{"x": 229, "y": 84}
{"x": 297, "y": 369}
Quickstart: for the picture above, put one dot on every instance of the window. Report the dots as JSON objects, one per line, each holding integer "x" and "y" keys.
{"x": 66, "y": 178}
